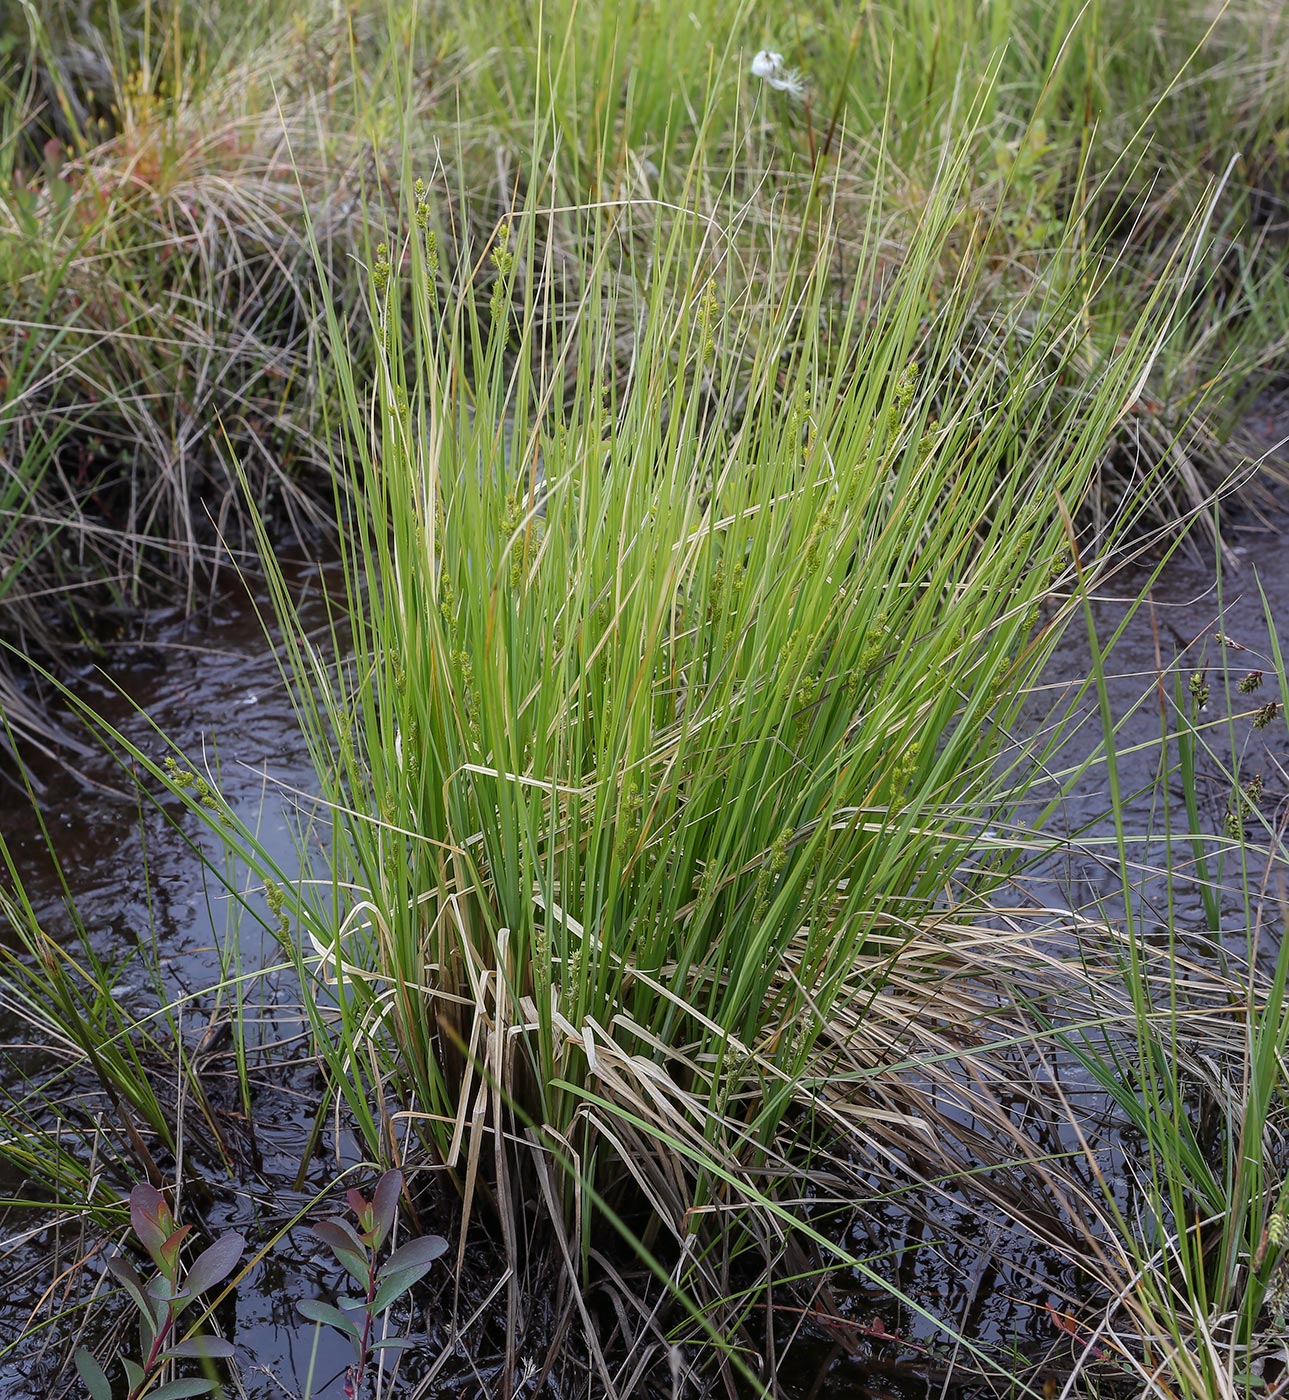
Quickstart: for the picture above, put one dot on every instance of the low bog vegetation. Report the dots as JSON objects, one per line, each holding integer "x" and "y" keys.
{"x": 717, "y": 449}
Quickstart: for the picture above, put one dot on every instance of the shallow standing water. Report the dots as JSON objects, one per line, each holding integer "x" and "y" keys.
{"x": 1197, "y": 626}
{"x": 211, "y": 684}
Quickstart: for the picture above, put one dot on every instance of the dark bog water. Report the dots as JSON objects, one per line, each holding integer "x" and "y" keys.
{"x": 1194, "y": 630}
{"x": 210, "y": 683}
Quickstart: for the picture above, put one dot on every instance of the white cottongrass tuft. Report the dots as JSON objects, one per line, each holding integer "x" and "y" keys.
{"x": 768, "y": 66}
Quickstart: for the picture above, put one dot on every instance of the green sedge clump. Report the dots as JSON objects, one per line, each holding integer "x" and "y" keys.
{"x": 875, "y": 644}
{"x": 630, "y": 821}
{"x": 716, "y": 593}
{"x": 818, "y": 532}
{"x": 397, "y": 671}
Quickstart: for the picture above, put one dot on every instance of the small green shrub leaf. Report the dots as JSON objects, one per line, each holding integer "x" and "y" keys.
{"x": 385, "y": 1205}
{"x": 151, "y": 1219}
{"x": 124, "y": 1272}
{"x": 176, "y": 1390}
{"x": 351, "y": 1254}
{"x": 318, "y": 1311}
{"x": 406, "y": 1267}
{"x": 326, "y": 1230}
{"x": 415, "y": 1254}
{"x": 167, "y": 1256}
{"x": 360, "y": 1205}
{"x": 213, "y": 1265}
{"x": 393, "y": 1288}
{"x": 95, "y": 1378}
{"x": 128, "y": 1277}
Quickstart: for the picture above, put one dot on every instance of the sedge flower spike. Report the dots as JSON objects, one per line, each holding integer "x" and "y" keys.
{"x": 768, "y": 66}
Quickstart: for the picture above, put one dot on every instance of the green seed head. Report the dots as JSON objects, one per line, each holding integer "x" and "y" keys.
{"x": 906, "y": 386}
{"x": 502, "y": 258}
{"x": 708, "y": 310}
{"x": 381, "y": 269}
{"x": 1250, "y": 683}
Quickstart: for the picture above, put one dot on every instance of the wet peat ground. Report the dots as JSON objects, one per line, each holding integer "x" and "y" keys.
{"x": 210, "y": 683}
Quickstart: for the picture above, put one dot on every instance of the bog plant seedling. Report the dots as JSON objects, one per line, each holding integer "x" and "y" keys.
{"x": 356, "y": 1251}
{"x": 162, "y": 1300}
